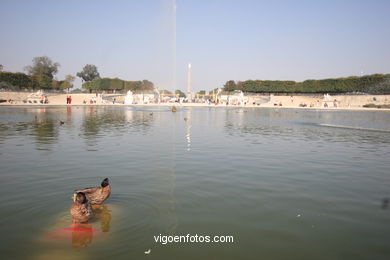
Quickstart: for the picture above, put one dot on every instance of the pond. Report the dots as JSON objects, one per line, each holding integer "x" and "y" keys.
{"x": 283, "y": 183}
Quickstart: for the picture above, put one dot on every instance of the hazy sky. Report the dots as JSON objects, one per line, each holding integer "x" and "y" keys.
{"x": 223, "y": 39}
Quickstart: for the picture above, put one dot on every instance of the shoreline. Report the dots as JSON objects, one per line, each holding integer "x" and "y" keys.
{"x": 169, "y": 105}
{"x": 344, "y": 102}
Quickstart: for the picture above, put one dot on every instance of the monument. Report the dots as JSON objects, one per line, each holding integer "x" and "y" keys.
{"x": 129, "y": 98}
{"x": 189, "y": 84}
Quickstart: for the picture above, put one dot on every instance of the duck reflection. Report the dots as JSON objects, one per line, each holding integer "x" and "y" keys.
{"x": 82, "y": 235}
{"x": 103, "y": 214}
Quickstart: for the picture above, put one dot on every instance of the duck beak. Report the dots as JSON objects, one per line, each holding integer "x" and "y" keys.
{"x": 74, "y": 197}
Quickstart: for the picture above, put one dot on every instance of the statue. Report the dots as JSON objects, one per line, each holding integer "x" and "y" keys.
{"x": 129, "y": 98}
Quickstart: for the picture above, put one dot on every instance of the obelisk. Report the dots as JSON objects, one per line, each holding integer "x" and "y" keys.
{"x": 189, "y": 84}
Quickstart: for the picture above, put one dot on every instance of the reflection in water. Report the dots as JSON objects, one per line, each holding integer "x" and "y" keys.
{"x": 385, "y": 203}
{"x": 167, "y": 181}
{"x": 170, "y": 212}
{"x": 103, "y": 214}
{"x": 40, "y": 123}
{"x": 188, "y": 120}
{"x": 306, "y": 125}
{"x": 44, "y": 124}
{"x": 45, "y": 132}
{"x": 82, "y": 235}
{"x": 69, "y": 113}
{"x": 355, "y": 128}
{"x": 91, "y": 123}
{"x": 97, "y": 121}
{"x": 56, "y": 242}
{"x": 247, "y": 190}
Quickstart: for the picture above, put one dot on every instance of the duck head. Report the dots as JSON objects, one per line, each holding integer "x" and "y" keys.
{"x": 81, "y": 198}
{"x": 105, "y": 183}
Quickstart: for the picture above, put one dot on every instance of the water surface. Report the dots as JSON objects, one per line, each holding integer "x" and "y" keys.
{"x": 287, "y": 184}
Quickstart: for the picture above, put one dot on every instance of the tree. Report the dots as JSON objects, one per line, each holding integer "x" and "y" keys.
{"x": 1, "y": 67}
{"x": 214, "y": 91}
{"x": 376, "y": 83}
{"x": 230, "y": 86}
{"x": 43, "y": 70}
{"x": 56, "y": 84}
{"x": 68, "y": 82}
{"x": 202, "y": 92}
{"x": 239, "y": 85}
{"x": 147, "y": 85}
{"x": 180, "y": 93}
{"x": 118, "y": 84}
{"x": 88, "y": 73}
{"x": 16, "y": 80}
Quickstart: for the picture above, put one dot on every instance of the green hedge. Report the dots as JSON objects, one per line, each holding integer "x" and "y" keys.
{"x": 18, "y": 80}
{"x": 375, "y": 84}
{"x": 118, "y": 84}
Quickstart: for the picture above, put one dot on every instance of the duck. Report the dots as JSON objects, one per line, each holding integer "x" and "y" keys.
{"x": 81, "y": 209}
{"x": 97, "y": 195}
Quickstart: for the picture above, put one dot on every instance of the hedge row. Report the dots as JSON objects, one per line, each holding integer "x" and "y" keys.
{"x": 17, "y": 80}
{"x": 118, "y": 84}
{"x": 375, "y": 84}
